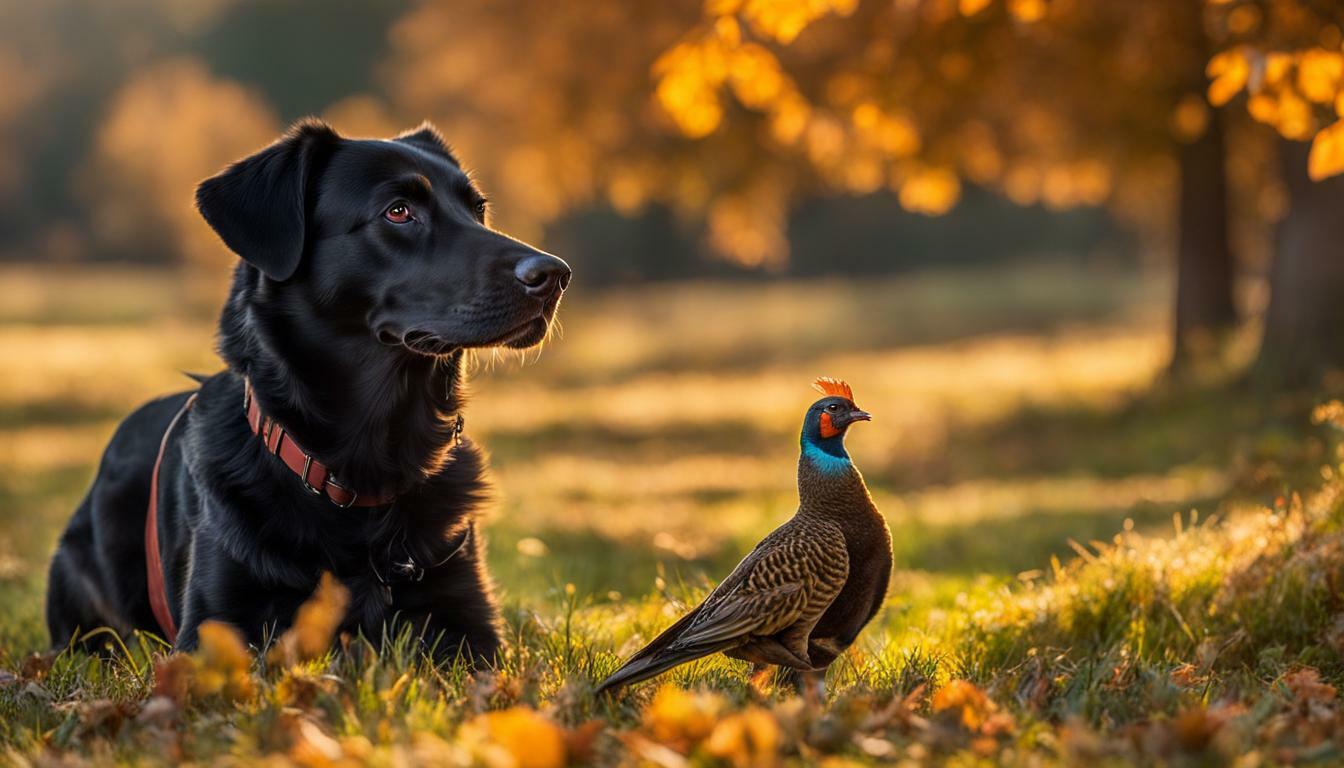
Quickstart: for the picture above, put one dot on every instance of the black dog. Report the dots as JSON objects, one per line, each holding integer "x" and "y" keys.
{"x": 333, "y": 441}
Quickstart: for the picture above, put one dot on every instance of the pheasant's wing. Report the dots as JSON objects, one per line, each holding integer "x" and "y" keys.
{"x": 672, "y": 634}
{"x": 791, "y": 578}
{"x": 792, "y": 575}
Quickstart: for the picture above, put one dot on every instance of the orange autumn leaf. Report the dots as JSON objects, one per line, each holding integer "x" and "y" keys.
{"x": 1306, "y": 686}
{"x": 1327, "y": 152}
{"x": 517, "y": 737}
{"x": 681, "y": 719}
{"x": 314, "y": 625}
{"x": 748, "y": 738}
{"x": 173, "y": 676}
{"x": 930, "y": 191}
{"x": 1027, "y": 11}
{"x": 972, "y": 7}
{"x": 1318, "y": 74}
{"x": 311, "y": 747}
{"x": 1229, "y": 71}
{"x": 964, "y": 700}
{"x": 223, "y": 664}
{"x": 580, "y": 742}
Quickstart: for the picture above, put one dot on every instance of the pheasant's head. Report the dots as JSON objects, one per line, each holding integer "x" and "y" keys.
{"x": 829, "y": 418}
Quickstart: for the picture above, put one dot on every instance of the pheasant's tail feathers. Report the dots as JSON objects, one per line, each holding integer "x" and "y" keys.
{"x": 640, "y": 669}
{"x": 633, "y": 672}
{"x": 828, "y": 386}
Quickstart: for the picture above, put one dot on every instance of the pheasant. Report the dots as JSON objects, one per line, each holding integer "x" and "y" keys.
{"x": 800, "y": 598}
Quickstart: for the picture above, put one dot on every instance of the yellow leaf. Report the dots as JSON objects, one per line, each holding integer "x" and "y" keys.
{"x": 521, "y": 736}
{"x": 784, "y": 20}
{"x": 756, "y": 76}
{"x": 1264, "y": 108}
{"x": 1277, "y": 66}
{"x": 312, "y": 747}
{"x": 788, "y": 118}
{"x": 866, "y": 116}
{"x": 722, "y": 7}
{"x": 747, "y": 739}
{"x": 314, "y": 625}
{"x": 1327, "y": 153}
{"x": 728, "y": 30}
{"x": 962, "y": 698}
{"x": 972, "y": 7}
{"x": 1229, "y": 71}
{"x": 681, "y": 719}
{"x": 931, "y": 191}
{"x": 689, "y": 76}
{"x": 1318, "y": 74}
{"x": 1027, "y": 11}
{"x": 223, "y": 663}
{"x": 1296, "y": 120}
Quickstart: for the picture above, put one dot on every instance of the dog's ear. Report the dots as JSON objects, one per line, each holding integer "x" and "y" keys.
{"x": 259, "y": 205}
{"x": 428, "y": 138}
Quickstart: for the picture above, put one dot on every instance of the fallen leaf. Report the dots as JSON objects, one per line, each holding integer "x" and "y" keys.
{"x": 523, "y": 735}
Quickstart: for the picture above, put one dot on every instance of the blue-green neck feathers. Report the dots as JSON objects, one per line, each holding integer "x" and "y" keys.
{"x": 827, "y": 454}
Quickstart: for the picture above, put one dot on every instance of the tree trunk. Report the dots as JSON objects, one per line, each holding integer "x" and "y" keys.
{"x": 1304, "y": 325}
{"x": 1205, "y": 269}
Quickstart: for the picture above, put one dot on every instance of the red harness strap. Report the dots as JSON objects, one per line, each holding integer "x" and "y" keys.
{"x": 158, "y": 591}
{"x": 315, "y": 476}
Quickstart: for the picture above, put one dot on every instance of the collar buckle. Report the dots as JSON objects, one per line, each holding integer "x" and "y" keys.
{"x": 307, "y": 464}
{"x": 354, "y": 495}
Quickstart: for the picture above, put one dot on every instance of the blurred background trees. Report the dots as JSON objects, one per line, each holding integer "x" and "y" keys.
{"x": 746, "y": 137}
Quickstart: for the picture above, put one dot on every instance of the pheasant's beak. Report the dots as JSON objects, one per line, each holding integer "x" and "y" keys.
{"x": 860, "y": 416}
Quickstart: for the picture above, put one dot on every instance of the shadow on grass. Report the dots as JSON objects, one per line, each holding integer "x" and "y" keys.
{"x": 61, "y": 412}
{"x": 598, "y": 565}
{"x": 618, "y": 443}
{"x": 752, "y": 324}
{"x": 1228, "y": 424}
{"x": 1025, "y": 542}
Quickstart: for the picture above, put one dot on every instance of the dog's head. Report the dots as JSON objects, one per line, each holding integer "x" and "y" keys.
{"x": 385, "y": 238}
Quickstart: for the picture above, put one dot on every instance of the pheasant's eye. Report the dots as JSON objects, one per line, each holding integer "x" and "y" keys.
{"x": 833, "y": 407}
{"x": 398, "y": 213}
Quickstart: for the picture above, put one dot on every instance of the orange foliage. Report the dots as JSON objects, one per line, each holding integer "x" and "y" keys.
{"x": 172, "y": 125}
{"x": 966, "y": 703}
{"x": 1287, "y": 56}
{"x": 517, "y": 738}
{"x": 220, "y": 668}
{"x": 309, "y": 637}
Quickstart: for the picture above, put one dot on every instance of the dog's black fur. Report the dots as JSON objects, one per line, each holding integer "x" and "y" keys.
{"x": 351, "y": 326}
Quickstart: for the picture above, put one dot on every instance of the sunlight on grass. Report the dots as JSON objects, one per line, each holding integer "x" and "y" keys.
{"x": 1042, "y": 594}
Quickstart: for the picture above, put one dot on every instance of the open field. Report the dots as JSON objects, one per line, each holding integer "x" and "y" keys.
{"x": 1019, "y": 416}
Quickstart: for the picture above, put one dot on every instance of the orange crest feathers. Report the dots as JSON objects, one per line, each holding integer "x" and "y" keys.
{"x": 828, "y": 386}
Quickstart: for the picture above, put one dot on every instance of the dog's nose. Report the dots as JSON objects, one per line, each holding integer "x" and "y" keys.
{"x": 540, "y": 273}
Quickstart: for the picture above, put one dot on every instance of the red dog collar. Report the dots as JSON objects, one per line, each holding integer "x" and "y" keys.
{"x": 315, "y": 476}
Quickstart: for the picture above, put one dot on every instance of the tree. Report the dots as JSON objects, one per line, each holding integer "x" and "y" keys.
{"x": 139, "y": 183}
{"x": 1085, "y": 57}
{"x": 1045, "y": 101}
{"x": 1283, "y": 59}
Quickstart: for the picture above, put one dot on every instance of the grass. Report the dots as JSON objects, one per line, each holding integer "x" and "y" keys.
{"x": 1055, "y": 597}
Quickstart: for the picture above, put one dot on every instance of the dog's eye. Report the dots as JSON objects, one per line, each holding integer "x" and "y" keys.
{"x": 398, "y": 213}
{"x": 480, "y": 209}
